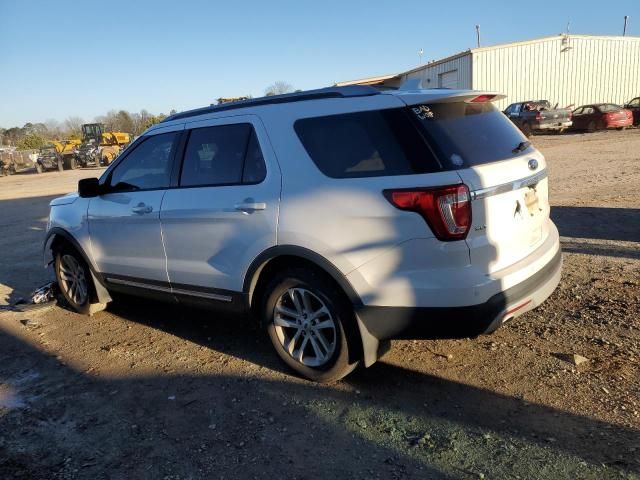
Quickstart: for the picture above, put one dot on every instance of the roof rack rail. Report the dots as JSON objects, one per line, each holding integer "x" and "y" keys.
{"x": 329, "y": 92}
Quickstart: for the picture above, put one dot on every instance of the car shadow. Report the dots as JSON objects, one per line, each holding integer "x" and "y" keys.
{"x": 23, "y": 222}
{"x": 387, "y": 421}
{"x": 399, "y": 391}
{"x": 598, "y": 223}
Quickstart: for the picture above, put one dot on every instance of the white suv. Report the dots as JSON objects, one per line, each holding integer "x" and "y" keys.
{"x": 339, "y": 217}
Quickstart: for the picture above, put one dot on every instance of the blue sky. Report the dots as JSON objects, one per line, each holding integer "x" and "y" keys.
{"x": 83, "y": 58}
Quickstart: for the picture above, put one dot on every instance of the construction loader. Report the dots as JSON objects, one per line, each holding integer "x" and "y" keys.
{"x": 98, "y": 148}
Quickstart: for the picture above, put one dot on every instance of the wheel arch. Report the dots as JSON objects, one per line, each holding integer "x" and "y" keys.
{"x": 292, "y": 255}
{"x": 58, "y": 236}
{"x": 284, "y": 256}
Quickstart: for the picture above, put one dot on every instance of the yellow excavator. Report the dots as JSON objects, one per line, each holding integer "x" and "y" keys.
{"x": 98, "y": 147}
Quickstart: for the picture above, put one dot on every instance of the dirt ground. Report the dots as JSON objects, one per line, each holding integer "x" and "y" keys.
{"x": 144, "y": 390}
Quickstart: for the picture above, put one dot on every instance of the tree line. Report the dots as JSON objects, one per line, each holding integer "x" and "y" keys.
{"x": 36, "y": 135}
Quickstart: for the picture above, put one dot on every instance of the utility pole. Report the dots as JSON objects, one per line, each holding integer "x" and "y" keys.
{"x": 624, "y": 30}
{"x": 478, "y": 35}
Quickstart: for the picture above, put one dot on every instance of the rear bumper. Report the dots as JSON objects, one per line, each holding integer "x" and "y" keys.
{"x": 382, "y": 322}
{"x": 553, "y": 125}
{"x": 627, "y": 122}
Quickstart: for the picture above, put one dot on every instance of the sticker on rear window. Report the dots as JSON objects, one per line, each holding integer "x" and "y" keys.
{"x": 456, "y": 160}
{"x": 422, "y": 112}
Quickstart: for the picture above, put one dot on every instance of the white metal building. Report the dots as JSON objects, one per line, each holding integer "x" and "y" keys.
{"x": 564, "y": 69}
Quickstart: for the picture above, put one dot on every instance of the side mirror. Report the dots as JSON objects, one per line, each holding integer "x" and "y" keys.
{"x": 89, "y": 187}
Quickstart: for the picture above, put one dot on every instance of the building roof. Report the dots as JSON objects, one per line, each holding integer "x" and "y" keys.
{"x": 368, "y": 81}
{"x": 383, "y": 78}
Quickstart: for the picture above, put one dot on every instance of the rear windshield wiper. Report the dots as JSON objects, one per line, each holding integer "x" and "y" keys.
{"x": 522, "y": 146}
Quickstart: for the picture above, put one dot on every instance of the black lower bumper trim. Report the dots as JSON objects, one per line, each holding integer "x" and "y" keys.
{"x": 452, "y": 322}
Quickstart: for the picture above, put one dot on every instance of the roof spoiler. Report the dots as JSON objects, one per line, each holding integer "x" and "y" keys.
{"x": 411, "y": 84}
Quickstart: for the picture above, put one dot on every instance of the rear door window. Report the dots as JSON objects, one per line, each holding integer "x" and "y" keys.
{"x": 366, "y": 144}
{"x": 216, "y": 156}
{"x": 255, "y": 169}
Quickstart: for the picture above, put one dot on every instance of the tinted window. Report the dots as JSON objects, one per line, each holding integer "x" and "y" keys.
{"x": 609, "y": 107}
{"x": 366, "y": 144}
{"x": 254, "y": 168}
{"x": 467, "y": 134}
{"x": 215, "y": 155}
{"x": 147, "y": 166}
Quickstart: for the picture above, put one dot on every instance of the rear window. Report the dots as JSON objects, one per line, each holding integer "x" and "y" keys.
{"x": 366, "y": 144}
{"x": 468, "y": 134}
{"x": 413, "y": 140}
{"x": 609, "y": 107}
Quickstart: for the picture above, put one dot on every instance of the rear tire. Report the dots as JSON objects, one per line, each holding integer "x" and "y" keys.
{"x": 74, "y": 279}
{"x": 72, "y": 163}
{"x": 526, "y": 129}
{"x": 305, "y": 316}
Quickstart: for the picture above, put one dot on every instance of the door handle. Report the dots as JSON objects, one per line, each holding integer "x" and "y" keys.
{"x": 249, "y": 206}
{"x": 142, "y": 209}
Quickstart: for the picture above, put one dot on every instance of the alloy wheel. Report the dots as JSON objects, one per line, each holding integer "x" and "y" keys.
{"x": 73, "y": 279}
{"x": 305, "y": 327}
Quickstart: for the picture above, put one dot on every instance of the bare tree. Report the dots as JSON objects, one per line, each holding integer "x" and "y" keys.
{"x": 278, "y": 88}
{"x": 54, "y": 129}
{"x": 73, "y": 127}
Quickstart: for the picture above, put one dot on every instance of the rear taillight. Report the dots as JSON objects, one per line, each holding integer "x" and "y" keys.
{"x": 538, "y": 116}
{"x": 570, "y": 115}
{"x": 447, "y": 210}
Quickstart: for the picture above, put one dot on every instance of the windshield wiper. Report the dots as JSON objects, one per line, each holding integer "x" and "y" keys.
{"x": 522, "y": 146}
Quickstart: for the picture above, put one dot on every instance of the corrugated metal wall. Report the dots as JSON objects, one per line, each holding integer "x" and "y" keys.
{"x": 429, "y": 74}
{"x": 582, "y": 70}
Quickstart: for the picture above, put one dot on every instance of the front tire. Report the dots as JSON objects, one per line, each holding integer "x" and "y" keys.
{"x": 526, "y": 129}
{"x": 74, "y": 279}
{"x": 306, "y": 316}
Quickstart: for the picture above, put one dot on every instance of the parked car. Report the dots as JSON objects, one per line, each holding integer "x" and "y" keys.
{"x": 600, "y": 116}
{"x": 634, "y": 107}
{"x": 538, "y": 115}
{"x": 339, "y": 217}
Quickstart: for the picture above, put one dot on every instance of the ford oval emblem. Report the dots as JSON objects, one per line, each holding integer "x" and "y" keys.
{"x": 533, "y": 164}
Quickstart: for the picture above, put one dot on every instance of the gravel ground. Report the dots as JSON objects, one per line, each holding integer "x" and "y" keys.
{"x": 143, "y": 390}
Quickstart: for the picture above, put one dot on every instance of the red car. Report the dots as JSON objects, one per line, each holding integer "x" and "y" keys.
{"x": 600, "y": 116}
{"x": 634, "y": 106}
